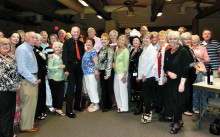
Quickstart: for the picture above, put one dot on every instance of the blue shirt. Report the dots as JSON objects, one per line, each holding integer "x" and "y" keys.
{"x": 87, "y": 62}
{"x": 44, "y": 46}
{"x": 213, "y": 49}
{"x": 26, "y": 61}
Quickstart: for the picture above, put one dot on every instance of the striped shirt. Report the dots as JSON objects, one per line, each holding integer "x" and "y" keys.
{"x": 213, "y": 49}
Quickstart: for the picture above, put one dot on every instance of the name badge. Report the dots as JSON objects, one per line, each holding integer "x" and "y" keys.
{"x": 135, "y": 74}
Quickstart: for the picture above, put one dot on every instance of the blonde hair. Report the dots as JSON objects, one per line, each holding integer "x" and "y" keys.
{"x": 148, "y": 34}
{"x": 122, "y": 37}
{"x": 4, "y": 40}
{"x": 162, "y": 33}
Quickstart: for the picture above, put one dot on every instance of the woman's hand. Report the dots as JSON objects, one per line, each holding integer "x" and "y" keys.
{"x": 66, "y": 74}
{"x": 143, "y": 78}
{"x": 181, "y": 88}
{"x": 172, "y": 75}
{"x": 96, "y": 74}
{"x": 62, "y": 66}
{"x": 138, "y": 80}
{"x": 123, "y": 79}
{"x": 113, "y": 65}
{"x": 106, "y": 77}
{"x": 19, "y": 86}
{"x": 164, "y": 79}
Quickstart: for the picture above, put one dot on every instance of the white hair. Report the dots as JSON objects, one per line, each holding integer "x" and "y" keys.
{"x": 185, "y": 35}
{"x": 39, "y": 37}
{"x": 58, "y": 43}
{"x": 113, "y": 32}
{"x": 174, "y": 34}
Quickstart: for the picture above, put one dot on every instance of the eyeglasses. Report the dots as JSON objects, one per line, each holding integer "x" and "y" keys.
{"x": 4, "y": 44}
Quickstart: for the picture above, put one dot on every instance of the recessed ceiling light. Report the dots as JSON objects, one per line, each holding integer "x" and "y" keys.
{"x": 99, "y": 16}
{"x": 159, "y": 14}
{"x": 83, "y": 3}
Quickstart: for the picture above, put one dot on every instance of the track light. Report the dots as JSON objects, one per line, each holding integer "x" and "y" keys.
{"x": 99, "y": 16}
{"x": 159, "y": 13}
{"x": 83, "y": 3}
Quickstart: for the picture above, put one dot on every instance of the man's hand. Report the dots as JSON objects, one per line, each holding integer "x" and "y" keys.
{"x": 172, "y": 75}
{"x": 36, "y": 82}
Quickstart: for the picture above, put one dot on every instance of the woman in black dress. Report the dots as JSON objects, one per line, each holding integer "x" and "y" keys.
{"x": 42, "y": 72}
{"x": 133, "y": 70}
{"x": 176, "y": 65}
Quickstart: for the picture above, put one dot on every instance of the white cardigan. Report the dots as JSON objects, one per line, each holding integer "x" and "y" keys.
{"x": 148, "y": 64}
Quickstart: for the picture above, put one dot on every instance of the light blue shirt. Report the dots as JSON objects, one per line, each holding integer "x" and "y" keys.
{"x": 26, "y": 61}
{"x": 44, "y": 46}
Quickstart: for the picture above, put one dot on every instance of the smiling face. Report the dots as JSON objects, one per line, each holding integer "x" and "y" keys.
{"x": 45, "y": 36}
{"x": 173, "y": 41}
{"x": 14, "y": 39}
{"x": 136, "y": 42}
{"x": 162, "y": 40}
{"x": 4, "y": 46}
{"x": 121, "y": 42}
{"x": 38, "y": 42}
{"x": 89, "y": 44}
{"x": 195, "y": 41}
{"x": 113, "y": 38}
{"x": 75, "y": 33}
{"x": 146, "y": 41}
{"x": 57, "y": 48}
{"x": 104, "y": 41}
{"x": 206, "y": 35}
{"x": 31, "y": 38}
{"x": 155, "y": 39}
{"x": 53, "y": 39}
{"x": 61, "y": 35}
{"x": 187, "y": 41}
{"x": 91, "y": 32}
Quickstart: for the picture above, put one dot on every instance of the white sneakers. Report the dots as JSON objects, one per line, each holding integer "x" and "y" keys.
{"x": 93, "y": 108}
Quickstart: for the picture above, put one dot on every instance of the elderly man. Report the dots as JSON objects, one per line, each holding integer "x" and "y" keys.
{"x": 213, "y": 49}
{"x": 61, "y": 35}
{"x": 27, "y": 68}
{"x": 73, "y": 51}
{"x": 91, "y": 33}
{"x": 143, "y": 30}
{"x": 127, "y": 34}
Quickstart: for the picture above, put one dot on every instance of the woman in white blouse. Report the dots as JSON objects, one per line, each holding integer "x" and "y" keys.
{"x": 148, "y": 74}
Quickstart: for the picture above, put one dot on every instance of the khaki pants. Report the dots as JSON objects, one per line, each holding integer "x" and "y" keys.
{"x": 29, "y": 96}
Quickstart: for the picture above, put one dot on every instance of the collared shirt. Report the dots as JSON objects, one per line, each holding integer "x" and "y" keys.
{"x": 26, "y": 61}
{"x": 213, "y": 49}
{"x": 148, "y": 65}
{"x": 44, "y": 46}
{"x": 121, "y": 61}
{"x": 98, "y": 44}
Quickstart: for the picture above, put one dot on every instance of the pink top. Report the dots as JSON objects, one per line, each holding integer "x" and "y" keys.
{"x": 203, "y": 52}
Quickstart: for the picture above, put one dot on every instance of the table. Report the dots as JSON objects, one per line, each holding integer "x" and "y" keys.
{"x": 202, "y": 86}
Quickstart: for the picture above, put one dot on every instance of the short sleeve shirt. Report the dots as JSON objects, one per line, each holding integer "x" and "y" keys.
{"x": 87, "y": 62}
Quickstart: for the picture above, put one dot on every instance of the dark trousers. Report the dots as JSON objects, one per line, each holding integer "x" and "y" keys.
{"x": 74, "y": 79}
{"x": 158, "y": 97}
{"x": 7, "y": 113}
{"x": 57, "y": 91}
{"x": 41, "y": 102}
{"x": 176, "y": 110}
{"x": 166, "y": 101}
{"x": 107, "y": 89}
{"x": 148, "y": 88}
{"x": 188, "y": 104}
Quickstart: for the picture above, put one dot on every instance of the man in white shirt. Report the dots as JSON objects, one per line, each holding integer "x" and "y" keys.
{"x": 91, "y": 33}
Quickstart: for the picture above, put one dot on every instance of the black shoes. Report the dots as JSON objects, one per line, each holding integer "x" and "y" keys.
{"x": 105, "y": 109}
{"x": 71, "y": 115}
{"x": 138, "y": 111}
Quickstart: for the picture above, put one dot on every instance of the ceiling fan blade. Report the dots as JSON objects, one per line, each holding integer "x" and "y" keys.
{"x": 118, "y": 8}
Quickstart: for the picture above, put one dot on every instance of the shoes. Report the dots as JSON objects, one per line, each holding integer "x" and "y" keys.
{"x": 78, "y": 109}
{"x": 59, "y": 113}
{"x": 187, "y": 113}
{"x": 29, "y": 130}
{"x": 44, "y": 114}
{"x": 146, "y": 118}
{"x": 176, "y": 127}
{"x": 105, "y": 109}
{"x": 51, "y": 108}
{"x": 196, "y": 112}
{"x": 93, "y": 108}
{"x": 40, "y": 118}
{"x": 180, "y": 122}
{"x": 138, "y": 111}
{"x": 71, "y": 115}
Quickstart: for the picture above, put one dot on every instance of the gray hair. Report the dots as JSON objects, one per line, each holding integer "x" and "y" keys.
{"x": 61, "y": 30}
{"x": 112, "y": 32}
{"x": 196, "y": 37}
{"x": 39, "y": 37}
{"x": 185, "y": 35}
{"x": 58, "y": 43}
{"x": 27, "y": 33}
{"x": 173, "y": 33}
{"x": 91, "y": 28}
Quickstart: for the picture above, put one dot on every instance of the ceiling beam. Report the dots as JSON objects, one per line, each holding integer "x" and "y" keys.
{"x": 155, "y": 6}
{"x": 208, "y": 11}
{"x": 98, "y": 5}
{"x": 42, "y": 7}
{"x": 72, "y": 5}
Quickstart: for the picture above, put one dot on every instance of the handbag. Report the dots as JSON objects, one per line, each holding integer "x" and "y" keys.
{"x": 215, "y": 127}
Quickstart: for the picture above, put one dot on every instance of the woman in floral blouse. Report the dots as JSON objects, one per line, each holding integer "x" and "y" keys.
{"x": 9, "y": 84}
{"x": 104, "y": 66}
{"x": 88, "y": 64}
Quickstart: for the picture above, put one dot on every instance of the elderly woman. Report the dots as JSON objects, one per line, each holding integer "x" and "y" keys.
{"x": 148, "y": 74}
{"x": 9, "y": 84}
{"x": 42, "y": 72}
{"x": 53, "y": 38}
{"x": 161, "y": 101}
{"x": 133, "y": 69}
{"x": 186, "y": 41}
{"x": 88, "y": 64}
{"x": 176, "y": 66}
{"x": 104, "y": 66}
{"x": 121, "y": 63}
{"x": 113, "y": 34}
{"x": 56, "y": 78}
{"x": 203, "y": 57}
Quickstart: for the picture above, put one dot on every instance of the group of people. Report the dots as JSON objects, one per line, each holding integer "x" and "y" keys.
{"x": 154, "y": 69}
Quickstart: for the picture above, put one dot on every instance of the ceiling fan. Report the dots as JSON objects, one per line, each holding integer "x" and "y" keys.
{"x": 129, "y": 4}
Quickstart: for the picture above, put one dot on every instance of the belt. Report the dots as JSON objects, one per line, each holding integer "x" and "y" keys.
{"x": 31, "y": 73}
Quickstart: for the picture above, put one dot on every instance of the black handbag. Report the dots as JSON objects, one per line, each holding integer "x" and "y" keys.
{"x": 215, "y": 127}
